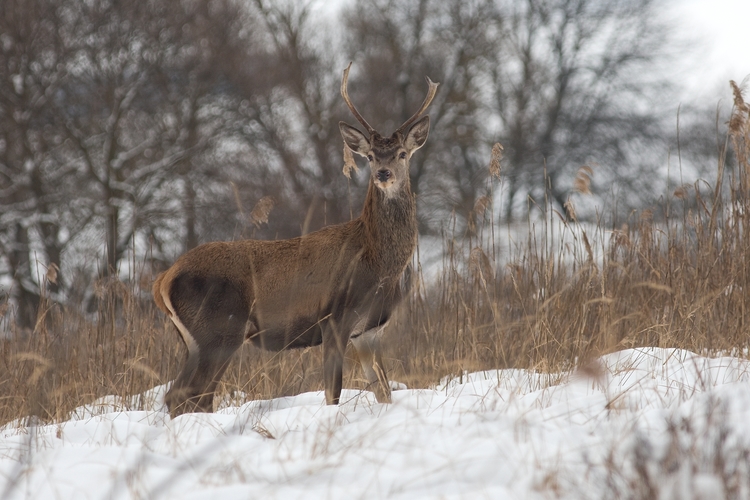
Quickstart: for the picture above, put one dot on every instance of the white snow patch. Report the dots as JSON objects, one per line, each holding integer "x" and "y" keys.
{"x": 662, "y": 422}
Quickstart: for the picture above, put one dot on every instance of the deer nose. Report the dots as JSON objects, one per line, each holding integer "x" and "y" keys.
{"x": 383, "y": 175}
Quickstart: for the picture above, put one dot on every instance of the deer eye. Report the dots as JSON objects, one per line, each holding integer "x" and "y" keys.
{"x": 402, "y": 155}
{"x": 369, "y": 158}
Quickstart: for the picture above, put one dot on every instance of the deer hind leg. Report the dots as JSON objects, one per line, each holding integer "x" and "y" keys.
{"x": 211, "y": 316}
{"x": 370, "y": 357}
{"x": 180, "y": 392}
{"x": 211, "y": 367}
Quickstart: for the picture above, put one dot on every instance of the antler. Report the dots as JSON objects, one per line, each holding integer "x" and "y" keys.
{"x": 345, "y": 95}
{"x": 431, "y": 91}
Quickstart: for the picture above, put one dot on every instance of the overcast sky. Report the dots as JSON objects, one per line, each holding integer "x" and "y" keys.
{"x": 724, "y": 28}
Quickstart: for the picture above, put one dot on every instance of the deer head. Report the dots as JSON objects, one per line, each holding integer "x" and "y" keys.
{"x": 388, "y": 156}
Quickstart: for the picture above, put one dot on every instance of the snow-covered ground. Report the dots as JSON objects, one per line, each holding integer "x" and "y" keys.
{"x": 656, "y": 423}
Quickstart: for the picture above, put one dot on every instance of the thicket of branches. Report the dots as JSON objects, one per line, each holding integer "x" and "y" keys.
{"x": 132, "y": 131}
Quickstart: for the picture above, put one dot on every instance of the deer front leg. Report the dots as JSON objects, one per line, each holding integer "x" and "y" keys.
{"x": 370, "y": 357}
{"x": 333, "y": 365}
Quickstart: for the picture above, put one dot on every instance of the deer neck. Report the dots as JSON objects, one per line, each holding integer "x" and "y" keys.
{"x": 390, "y": 227}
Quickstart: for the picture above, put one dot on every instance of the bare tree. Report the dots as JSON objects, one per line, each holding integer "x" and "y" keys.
{"x": 572, "y": 85}
{"x": 289, "y": 109}
{"x": 560, "y": 83}
{"x": 34, "y": 170}
{"x": 108, "y": 115}
{"x": 150, "y": 82}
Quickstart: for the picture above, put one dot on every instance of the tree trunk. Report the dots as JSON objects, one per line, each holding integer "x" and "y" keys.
{"x": 113, "y": 230}
{"x": 27, "y": 301}
{"x": 191, "y": 233}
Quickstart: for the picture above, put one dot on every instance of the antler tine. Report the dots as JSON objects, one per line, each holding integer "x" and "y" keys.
{"x": 345, "y": 95}
{"x": 431, "y": 91}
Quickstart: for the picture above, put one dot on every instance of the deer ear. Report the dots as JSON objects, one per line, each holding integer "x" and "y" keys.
{"x": 354, "y": 139}
{"x": 417, "y": 135}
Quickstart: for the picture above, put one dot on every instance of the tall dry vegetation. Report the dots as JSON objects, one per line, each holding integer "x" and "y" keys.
{"x": 678, "y": 282}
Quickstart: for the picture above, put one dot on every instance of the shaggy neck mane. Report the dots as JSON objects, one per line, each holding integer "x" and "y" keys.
{"x": 390, "y": 227}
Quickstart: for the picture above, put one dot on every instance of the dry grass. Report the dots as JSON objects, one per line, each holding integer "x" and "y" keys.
{"x": 682, "y": 282}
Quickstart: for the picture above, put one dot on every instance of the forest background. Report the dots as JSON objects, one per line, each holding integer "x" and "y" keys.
{"x": 132, "y": 133}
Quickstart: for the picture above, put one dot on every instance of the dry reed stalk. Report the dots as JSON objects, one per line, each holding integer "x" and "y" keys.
{"x": 496, "y": 157}
{"x": 261, "y": 211}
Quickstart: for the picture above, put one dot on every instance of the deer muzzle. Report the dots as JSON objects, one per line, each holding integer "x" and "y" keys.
{"x": 383, "y": 175}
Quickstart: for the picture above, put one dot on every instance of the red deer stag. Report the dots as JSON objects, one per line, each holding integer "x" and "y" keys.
{"x": 331, "y": 286}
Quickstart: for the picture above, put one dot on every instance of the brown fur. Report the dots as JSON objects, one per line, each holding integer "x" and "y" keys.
{"x": 325, "y": 287}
